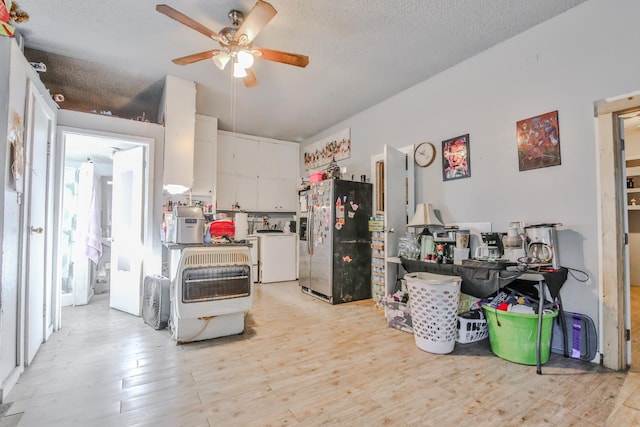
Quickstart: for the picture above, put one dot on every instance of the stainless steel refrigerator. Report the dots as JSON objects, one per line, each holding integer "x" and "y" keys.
{"x": 335, "y": 246}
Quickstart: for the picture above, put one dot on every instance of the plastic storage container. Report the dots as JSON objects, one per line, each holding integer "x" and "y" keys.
{"x": 471, "y": 330}
{"x": 513, "y": 335}
{"x": 434, "y": 310}
{"x": 317, "y": 177}
{"x": 398, "y": 316}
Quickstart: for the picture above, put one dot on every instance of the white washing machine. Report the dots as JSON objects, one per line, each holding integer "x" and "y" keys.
{"x": 278, "y": 261}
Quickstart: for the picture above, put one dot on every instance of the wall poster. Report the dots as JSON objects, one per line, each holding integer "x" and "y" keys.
{"x": 320, "y": 153}
{"x": 538, "y": 141}
{"x": 456, "y": 160}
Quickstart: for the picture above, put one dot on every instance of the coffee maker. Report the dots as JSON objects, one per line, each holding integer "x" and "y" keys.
{"x": 445, "y": 242}
{"x": 491, "y": 246}
{"x": 542, "y": 244}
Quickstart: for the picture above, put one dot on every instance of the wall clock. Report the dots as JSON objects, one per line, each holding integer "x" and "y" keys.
{"x": 424, "y": 154}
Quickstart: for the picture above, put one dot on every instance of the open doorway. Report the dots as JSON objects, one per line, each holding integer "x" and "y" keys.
{"x": 615, "y": 224}
{"x": 86, "y": 206}
{"x": 631, "y": 135}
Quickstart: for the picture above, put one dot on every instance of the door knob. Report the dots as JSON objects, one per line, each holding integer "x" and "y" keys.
{"x": 38, "y": 230}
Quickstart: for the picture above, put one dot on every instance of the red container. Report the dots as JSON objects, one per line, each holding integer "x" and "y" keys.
{"x": 222, "y": 228}
{"x": 317, "y": 177}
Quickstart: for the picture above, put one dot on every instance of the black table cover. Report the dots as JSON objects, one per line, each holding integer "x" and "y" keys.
{"x": 481, "y": 282}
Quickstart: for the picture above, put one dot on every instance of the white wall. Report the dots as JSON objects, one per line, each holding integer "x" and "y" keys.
{"x": 10, "y": 101}
{"x": 15, "y": 73}
{"x": 114, "y": 125}
{"x": 564, "y": 64}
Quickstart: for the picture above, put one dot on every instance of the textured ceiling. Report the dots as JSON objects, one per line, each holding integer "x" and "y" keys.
{"x": 113, "y": 55}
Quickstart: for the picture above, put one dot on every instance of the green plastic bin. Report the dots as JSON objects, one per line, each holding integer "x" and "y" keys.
{"x": 513, "y": 335}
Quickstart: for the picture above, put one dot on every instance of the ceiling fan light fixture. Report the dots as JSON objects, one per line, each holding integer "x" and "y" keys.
{"x": 220, "y": 60}
{"x": 238, "y": 70}
{"x": 245, "y": 58}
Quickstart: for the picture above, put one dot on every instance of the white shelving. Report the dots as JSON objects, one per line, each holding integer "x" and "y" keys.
{"x": 378, "y": 264}
{"x": 633, "y": 175}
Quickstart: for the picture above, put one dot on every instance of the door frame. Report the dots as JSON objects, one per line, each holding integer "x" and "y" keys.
{"x": 611, "y": 210}
{"x": 149, "y": 153}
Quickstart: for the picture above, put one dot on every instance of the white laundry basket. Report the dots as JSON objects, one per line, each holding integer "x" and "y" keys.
{"x": 434, "y": 310}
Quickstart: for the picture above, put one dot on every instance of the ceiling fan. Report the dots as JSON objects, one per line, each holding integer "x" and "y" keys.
{"x": 236, "y": 41}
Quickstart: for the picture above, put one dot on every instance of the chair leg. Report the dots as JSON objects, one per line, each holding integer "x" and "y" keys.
{"x": 563, "y": 326}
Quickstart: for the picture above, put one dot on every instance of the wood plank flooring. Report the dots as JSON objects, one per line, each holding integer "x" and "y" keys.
{"x": 304, "y": 362}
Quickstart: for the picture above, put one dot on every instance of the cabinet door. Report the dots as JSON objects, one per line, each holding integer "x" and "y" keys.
{"x": 289, "y": 161}
{"x": 277, "y": 194}
{"x": 225, "y": 153}
{"x": 278, "y": 160}
{"x": 226, "y": 189}
{"x": 269, "y": 194}
{"x": 246, "y": 157}
{"x": 270, "y": 155}
{"x": 246, "y": 192}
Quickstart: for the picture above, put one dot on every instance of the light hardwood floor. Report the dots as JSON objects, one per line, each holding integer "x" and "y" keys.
{"x": 300, "y": 361}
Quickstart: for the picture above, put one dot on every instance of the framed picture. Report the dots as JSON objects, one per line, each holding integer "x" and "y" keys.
{"x": 456, "y": 160}
{"x": 538, "y": 141}
{"x": 334, "y": 147}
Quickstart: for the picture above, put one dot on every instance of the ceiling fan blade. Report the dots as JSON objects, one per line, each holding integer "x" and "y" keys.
{"x": 250, "y": 80}
{"x": 201, "y": 56}
{"x": 258, "y": 17}
{"x": 185, "y": 20}
{"x": 283, "y": 57}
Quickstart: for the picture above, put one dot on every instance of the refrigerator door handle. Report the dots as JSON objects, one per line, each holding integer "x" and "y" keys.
{"x": 310, "y": 231}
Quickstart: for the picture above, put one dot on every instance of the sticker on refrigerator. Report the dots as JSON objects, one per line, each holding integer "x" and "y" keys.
{"x": 354, "y": 207}
{"x": 351, "y": 214}
{"x": 339, "y": 211}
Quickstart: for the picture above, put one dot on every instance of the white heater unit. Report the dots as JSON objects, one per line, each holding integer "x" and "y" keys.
{"x": 211, "y": 293}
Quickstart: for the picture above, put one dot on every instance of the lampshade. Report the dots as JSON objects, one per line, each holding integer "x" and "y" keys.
{"x": 238, "y": 70}
{"x": 424, "y": 216}
{"x": 245, "y": 58}
{"x": 221, "y": 60}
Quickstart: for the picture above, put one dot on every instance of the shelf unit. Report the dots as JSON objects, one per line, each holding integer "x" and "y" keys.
{"x": 378, "y": 265}
{"x": 633, "y": 174}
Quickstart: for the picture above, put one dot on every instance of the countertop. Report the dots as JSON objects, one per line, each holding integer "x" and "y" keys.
{"x": 271, "y": 234}
{"x": 169, "y": 245}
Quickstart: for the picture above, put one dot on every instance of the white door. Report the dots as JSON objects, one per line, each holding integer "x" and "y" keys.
{"x": 395, "y": 205}
{"x": 40, "y": 121}
{"x": 127, "y": 245}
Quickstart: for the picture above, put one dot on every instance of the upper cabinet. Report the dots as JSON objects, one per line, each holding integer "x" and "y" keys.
{"x": 178, "y": 113}
{"x": 256, "y": 174}
{"x": 205, "y": 156}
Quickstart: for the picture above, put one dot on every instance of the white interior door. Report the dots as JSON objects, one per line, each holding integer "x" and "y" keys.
{"x": 40, "y": 120}
{"x": 395, "y": 206}
{"x": 127, "y": 245}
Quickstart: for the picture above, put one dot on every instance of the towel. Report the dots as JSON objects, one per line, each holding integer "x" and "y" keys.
{"x": 93, "y": 237}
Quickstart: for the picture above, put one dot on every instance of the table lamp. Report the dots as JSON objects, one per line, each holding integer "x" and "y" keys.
{"x": 424, "y": 216}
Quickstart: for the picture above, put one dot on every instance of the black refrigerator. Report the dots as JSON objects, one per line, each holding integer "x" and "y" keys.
{"x": 335, "y": 257}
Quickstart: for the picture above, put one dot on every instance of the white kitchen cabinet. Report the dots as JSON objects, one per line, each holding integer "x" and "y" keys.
{"x": 179, "y": 115}
{"x": 237, "y": 168}
{"x": 275, "y": 195}
{"x": 258, "y": 174}
{"x": 277, "y": 174}
{"x": 205, "y": 152}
